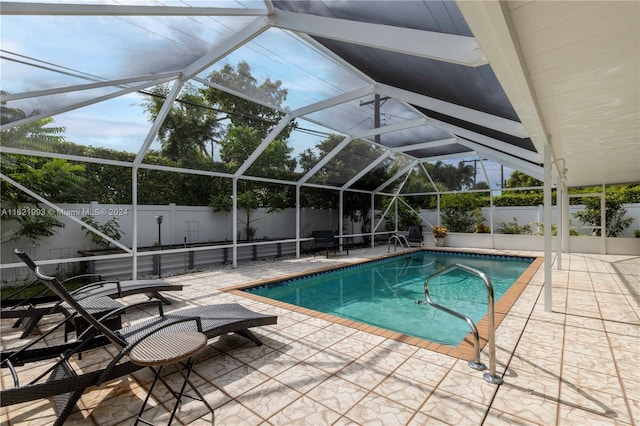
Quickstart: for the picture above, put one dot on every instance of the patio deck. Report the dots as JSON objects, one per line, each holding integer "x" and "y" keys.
{"x": 575, "y": 365}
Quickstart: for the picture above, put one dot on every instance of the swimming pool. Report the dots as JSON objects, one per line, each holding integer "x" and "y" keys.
{"x": 383, "y": 292}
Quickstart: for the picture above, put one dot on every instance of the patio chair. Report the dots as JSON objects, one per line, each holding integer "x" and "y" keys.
{"x": 65, "y": 386}
{"x": 415, "y": 235}
{"x": 325, "y": 240}
{"x": 24, "y": 308}
{"x": 29, "y": 311}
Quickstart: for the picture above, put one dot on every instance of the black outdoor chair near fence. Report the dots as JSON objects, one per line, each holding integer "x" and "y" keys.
{"x": 415, "y": 235}
{"x": 326, "y": 240}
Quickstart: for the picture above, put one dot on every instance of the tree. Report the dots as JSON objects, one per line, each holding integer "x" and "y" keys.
{"x": 110, "y": 228}
{"x": 518, "y": 179}
{"x": 352, "y": 159}
{"x": 54, "y": 180}
{"x": 248, "y": 201}
{"x": 457, "y": 210}
{"x": 451, "y": 177}
{"x": 241, "y": 141}
{"x": 189, "y": 128}
{"x": 615, "y": 222}
{"x": 37, "y": 134}
{"x": 242, "y": 112}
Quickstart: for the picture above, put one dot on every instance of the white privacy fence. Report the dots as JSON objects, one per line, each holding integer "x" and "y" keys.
{"x": 180, "y": 225}
{"x": 184, "y": 226}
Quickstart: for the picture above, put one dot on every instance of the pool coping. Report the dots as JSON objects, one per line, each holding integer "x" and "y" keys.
{"x": 464, "y": 350}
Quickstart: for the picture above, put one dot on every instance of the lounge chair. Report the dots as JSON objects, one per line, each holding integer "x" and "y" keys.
{"x": 29, "y": 311}
{"x": 415, "y": 235}
{"x": 64, "y": 385}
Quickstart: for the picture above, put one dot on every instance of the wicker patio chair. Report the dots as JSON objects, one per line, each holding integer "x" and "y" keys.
{"x": 30, "y": 310}
{"x": 64, "y": 386}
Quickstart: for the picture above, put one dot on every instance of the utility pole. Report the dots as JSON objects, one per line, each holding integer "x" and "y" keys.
{"x": 377, "y": 103}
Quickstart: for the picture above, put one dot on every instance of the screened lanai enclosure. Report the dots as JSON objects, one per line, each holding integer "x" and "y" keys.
{"x": 223, "y": 130}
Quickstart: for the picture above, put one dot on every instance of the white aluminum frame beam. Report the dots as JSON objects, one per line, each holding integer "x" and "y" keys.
{"x": 76, "y": 9}
{"x": 155, "y": 78}
{"x": 69, "y": 157}
{"x": 486, "y": 140}
{"x": 456, "y": 49}
{"x": 284, "y": 122}
{"x": 396, "y": 197}
{"x": 390, "y": 129}
{"x": 366, "y": 170}
{"x": 323, "y": 161}
{"x": 155, "y": 128}
{"x": 184, "y": 170}
{"x": 469, "y": 115}
{"x": 238, "y": 94}
{"x": 59, "y": 209}
{"x": 500, "y": 157}
{"x": 248, "y": 33}
{"x": 424, "y": 169}
{"x": 397, "y": 176}
{"x": 424, "y": 145}
{"x": 331, "y": 102}
{"x": 454, "y": 156}
{"x": 71, "y": 107}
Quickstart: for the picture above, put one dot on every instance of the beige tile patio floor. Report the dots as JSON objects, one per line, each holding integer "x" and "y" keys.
{"x": 574, "y": 365}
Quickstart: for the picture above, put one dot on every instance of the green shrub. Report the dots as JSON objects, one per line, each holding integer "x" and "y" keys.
{"x": 514, "y": 228}
{"x": 110, "y": 228}
{"x": 615, "y": 222}
{"x": 456, "y": 210}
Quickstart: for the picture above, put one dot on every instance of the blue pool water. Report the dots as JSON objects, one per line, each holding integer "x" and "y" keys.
{"x": 383, "y": 292}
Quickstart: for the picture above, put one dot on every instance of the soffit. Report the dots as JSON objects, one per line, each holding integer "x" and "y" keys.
{"x": 581, "y": 61}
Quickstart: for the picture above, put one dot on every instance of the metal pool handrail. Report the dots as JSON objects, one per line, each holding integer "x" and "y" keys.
{"x": 490, "y": 377}
{"x": 398, "y": 239}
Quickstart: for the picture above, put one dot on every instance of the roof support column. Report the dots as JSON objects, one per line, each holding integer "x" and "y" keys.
{"x": 134, "y": 207}
{"x": 372, "y": 219}
{"x": 561, "y": 214}
{"x": 298, "y": 243}
{"x": 547, "y": 229}
{"x": 153, "y": 132}
{"x": 566, "y": 218}
{"x": 234, "y": 225}
{"x": 341, "y": 217}
{"x": 396, "y": 214}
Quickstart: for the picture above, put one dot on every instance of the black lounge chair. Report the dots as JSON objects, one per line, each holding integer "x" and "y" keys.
{"x": 29, "y": 311}
{"x": 64, "y": 386}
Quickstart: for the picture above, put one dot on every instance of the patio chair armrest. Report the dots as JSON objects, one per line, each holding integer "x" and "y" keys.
{"x": 96, "y": 277}
{"x": 116, "y": 312}
{"x": 137, "y": 305}
{"x": 95, "y": 285}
